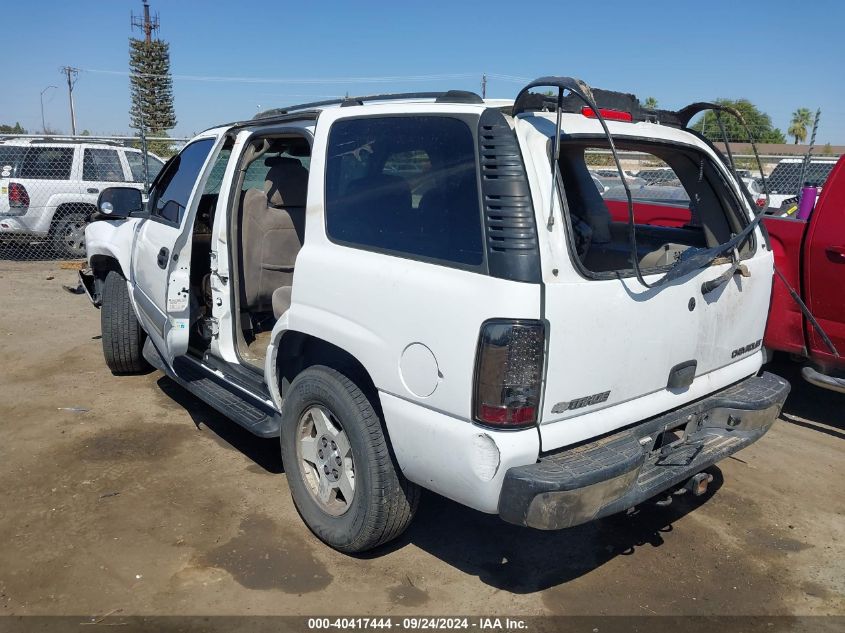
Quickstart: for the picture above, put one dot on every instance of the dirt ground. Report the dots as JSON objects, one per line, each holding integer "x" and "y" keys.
{"x": 126, "y": 494}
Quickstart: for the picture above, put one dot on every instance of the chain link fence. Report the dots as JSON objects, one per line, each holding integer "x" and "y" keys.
{"x": 651, "y": 179}
{"x": 49, "y": 187}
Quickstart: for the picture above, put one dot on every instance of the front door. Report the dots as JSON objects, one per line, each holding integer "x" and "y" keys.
{"x": 161, "y": 257}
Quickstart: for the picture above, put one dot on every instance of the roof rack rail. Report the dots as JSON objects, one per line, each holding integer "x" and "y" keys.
{"x": 68, "y": 139}
{"x": 451, "y": 96}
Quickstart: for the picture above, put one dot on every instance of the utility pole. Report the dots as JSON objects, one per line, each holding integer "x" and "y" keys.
{"x": 484, "y": 86}
{"x": 71, "y": 74}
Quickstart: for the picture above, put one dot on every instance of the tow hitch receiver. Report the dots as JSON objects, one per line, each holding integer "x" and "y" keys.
{"x": 698, "y": 484}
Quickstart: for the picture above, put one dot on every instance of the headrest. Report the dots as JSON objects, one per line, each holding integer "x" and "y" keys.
{"x": 286, "y": 184}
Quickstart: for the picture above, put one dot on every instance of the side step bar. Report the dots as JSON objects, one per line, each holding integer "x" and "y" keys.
{"x": 249, "y": 411}
{"x": 823, "y": 380}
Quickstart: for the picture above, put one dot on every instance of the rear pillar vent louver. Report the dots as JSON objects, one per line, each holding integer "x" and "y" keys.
{"x": 510, "y": 228}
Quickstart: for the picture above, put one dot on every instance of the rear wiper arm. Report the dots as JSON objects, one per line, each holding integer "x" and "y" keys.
{"x": 737, "y": 267}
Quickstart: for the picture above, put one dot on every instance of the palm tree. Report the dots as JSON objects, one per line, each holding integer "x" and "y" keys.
{"x": 650, "y": 103}
{"x": 801, "y": 118}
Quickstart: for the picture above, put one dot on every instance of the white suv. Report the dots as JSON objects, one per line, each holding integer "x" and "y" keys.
{"x": 429, "y": 291}
{"x": 49, "y": 187}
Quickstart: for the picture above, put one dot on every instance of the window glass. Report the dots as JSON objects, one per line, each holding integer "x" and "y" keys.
{"x": 10, "y": 157}
{"x": 136, "y": 166}
{"x": 406, "y": 185}
{"x": 101, "y": 165}
{"x": 215, "y": 178}
{"x": 256, "y": 172}
{"x": 48, "y": 163}
{"x": 173, "y": 190}
{"x": 681, "y": 201}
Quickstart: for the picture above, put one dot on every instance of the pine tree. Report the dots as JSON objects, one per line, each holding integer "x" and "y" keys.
{"x": 151, "y": 87}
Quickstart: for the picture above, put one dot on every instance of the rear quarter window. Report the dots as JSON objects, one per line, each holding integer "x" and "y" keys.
{"x": 47, "y": 163}
{"x": 405, "y": 185}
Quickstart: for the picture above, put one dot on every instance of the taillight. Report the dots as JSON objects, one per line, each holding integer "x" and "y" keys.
{"x": 508, "y": 373}
{"x": 607, "y": 113}
{"x": 18, "y": 197}
{"x": 761, "y": 201}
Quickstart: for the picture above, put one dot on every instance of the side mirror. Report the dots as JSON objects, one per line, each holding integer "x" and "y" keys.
{"x": 119, "y": 202}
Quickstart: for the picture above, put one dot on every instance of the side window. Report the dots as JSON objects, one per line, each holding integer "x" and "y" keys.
{"x": 215, "y": 178}
{"x": 101, "y": 165}
{"x": 136, "y": 166}
{"x": 173, "y": 189}
{"x": 47, "y": 163}
{"x": 406, "y": 186}
{"x": 256, "y": 172}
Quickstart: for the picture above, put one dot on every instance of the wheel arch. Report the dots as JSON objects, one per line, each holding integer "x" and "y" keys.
{"x": 292, "y": 351}
{"x": 66, "y": 208}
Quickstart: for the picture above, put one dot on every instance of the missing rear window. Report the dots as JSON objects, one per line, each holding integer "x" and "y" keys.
{"x": 681, "y": 201}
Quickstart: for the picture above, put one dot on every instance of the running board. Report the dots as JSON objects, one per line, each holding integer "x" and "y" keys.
{"x": 247, "y": 410}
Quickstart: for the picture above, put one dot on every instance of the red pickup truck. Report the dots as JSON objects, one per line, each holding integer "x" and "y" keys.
{"x": 810, "y": 254}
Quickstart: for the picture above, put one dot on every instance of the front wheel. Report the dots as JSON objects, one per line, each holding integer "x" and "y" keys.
{"x": 341, "y": 474}
{"x": 123, "y": 337}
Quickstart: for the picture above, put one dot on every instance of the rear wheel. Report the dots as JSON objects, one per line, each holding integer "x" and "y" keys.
{"x": 68, "y": 234}
{"x": 123, "y": 337}
{"x": 341, "y": 474}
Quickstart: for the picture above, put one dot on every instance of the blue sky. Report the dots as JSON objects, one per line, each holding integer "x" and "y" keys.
{"x": 765, "y": 50}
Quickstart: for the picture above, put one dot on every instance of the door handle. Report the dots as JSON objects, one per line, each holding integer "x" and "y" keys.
{"x": 162, "y": 257}
{"x": 836, "y": 254}
{"x": 93, "y": 190}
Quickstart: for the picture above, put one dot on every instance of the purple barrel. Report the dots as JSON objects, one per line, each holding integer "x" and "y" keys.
{"x": 807, "y": 202}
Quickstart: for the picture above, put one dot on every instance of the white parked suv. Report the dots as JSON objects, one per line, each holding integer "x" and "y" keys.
{"x": 49, "y": 187}
{"x": 429, "y": 291}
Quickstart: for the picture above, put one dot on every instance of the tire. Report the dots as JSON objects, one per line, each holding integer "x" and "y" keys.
{"x": 123, "y": 337}
{"x": 68, "y": 234}
{"x": 383, "y": 502}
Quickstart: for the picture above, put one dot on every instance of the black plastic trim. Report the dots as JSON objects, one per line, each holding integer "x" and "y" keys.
{"x": 511, "y": 240}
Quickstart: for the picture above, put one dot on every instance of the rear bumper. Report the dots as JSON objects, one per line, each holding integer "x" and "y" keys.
{"x": 621, "y": 470}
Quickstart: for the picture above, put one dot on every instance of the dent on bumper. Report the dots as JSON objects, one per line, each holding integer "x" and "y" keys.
{"x": 619, "y": 471}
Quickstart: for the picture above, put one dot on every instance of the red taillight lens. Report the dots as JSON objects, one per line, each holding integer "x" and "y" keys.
{"x": 761, "y": 202}
{"x": 607, "y": 113}
{"x": 18, "y": 197}
{"x": 508, "y": 374}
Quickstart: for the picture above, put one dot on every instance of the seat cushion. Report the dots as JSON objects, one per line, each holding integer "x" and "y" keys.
{"x": 281, "y": 301}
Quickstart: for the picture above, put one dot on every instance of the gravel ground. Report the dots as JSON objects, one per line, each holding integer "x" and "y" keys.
{"x": 127, "y": 495}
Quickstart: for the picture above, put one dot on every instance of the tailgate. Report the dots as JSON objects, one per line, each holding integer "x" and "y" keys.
{"x": 613, "y": 346}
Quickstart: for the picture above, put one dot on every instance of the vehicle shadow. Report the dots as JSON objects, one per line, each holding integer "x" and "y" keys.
{"x": 807, "y": 405}
{"x": 523, "y": 560}
{"x": 265, "y": 453}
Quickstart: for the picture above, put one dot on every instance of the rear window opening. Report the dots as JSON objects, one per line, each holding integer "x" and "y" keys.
{"x": 681, "y": 202}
